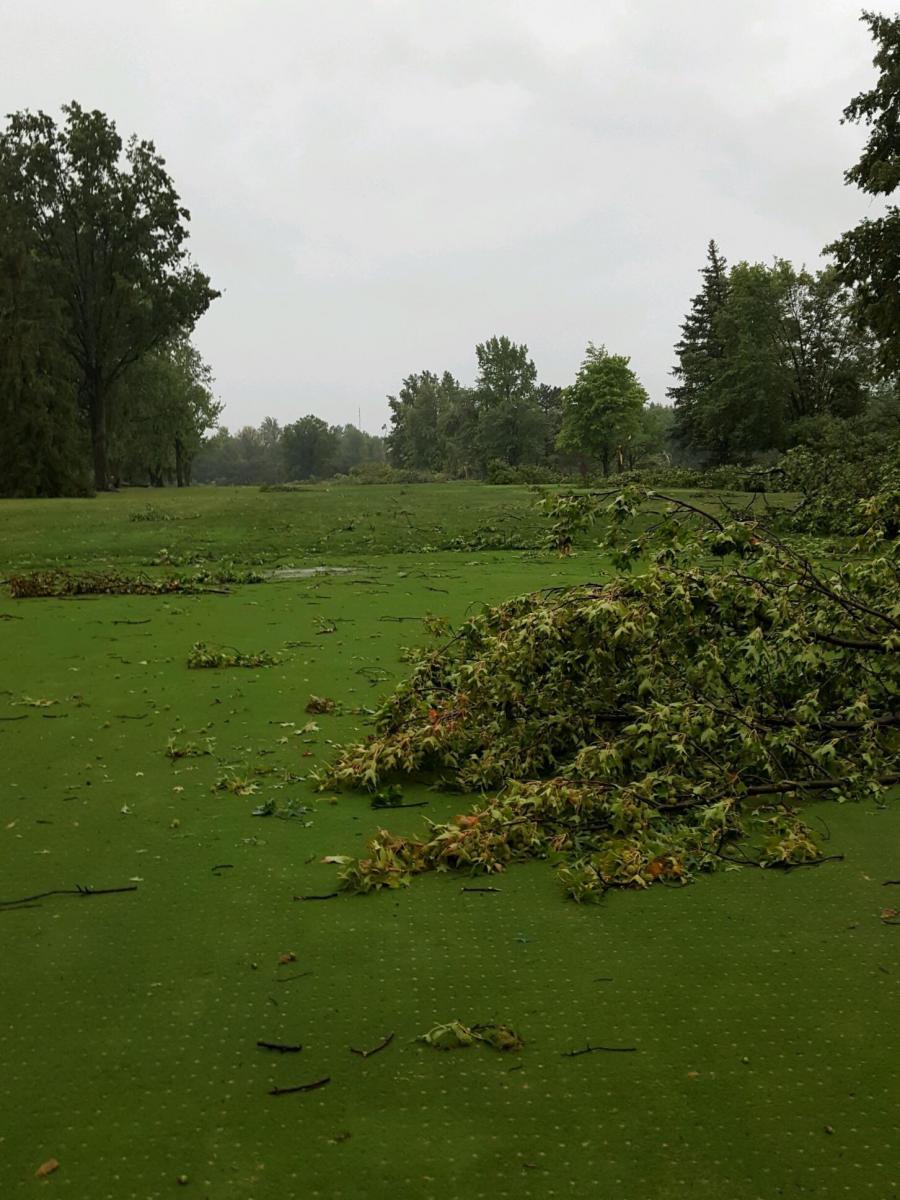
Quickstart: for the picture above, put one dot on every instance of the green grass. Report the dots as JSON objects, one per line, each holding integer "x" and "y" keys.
{"x": 763, "y": 1007}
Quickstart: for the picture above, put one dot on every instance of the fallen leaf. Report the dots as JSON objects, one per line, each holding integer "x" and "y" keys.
{"x": 888, "y": 914}
{"x": 46, "y": 1168}
{"x": 287, "y": 958}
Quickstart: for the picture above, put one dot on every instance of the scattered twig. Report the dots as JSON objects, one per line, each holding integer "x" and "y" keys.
{"x": 382, "y": 1045}
{"x": 888, "y": 882}
{"x": 327, "y": 896}
{"x": 279, "y": 1046}
{"x": 78, "y": 890}
{"x": 223, "y": 867}
{"x": 302, "y": 1087}
{"x": 145, "y": 621}
{"x": 20, "y": 717}
{"x": 130, "y": 716}
{"x": 291, "y": 978}
{"x": 589, "y": 1049}
{"x": 479, "y": 889}
{"x": 414, "y": 804}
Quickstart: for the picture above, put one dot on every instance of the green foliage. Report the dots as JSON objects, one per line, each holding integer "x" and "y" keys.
{"x": 203, "y": 657}
{"x": 763, "y": 350}
{"x": 637, "y": 730}
{"x": 602, "y": 409}
{"x": 835, "y": 474}
{"x": 43, "y": 450}
{"x": 162, "y": 407}
{"x": 109, "y": 240}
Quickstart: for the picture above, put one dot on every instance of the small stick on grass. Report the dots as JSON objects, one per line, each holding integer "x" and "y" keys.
{"x": 382, "y": 1045}
{"x": 78, "y": 890}
{"x": 479, "y": 889}
{"x": 327, "y": 896}
{"x": 589, "y": 1049}
{"x": 281, "y": 1047}
{"x": 291, "y": 978}
{"x": 302, "y": 1087}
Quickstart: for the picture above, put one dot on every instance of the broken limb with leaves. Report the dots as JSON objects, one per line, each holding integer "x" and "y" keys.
{"x": 638, "y": 730}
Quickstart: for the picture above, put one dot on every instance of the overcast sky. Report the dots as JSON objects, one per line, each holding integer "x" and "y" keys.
{"x": 377, "y": 185}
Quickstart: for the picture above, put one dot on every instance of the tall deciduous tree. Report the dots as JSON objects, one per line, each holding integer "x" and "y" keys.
{"x": 510, "y": 422}
{"x": 110, "y": 235}
{"x": 42, "y": 439}
{"x": 602, "y": 409}
{"x": 868, "y": 256}
{"x": 309, "y": 447}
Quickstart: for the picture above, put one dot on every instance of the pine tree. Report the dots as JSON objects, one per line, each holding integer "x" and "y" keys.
{"x": 700, "y": 352}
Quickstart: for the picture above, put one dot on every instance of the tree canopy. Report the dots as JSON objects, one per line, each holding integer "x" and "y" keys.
{"x": 107, "y": 233}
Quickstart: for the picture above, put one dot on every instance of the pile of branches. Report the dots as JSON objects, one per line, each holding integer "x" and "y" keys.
{"x": 652, "y": 726}
{"x": 92, "y": 583}
{"x": 43, "y": 584}
{"x": 205, "y": 658}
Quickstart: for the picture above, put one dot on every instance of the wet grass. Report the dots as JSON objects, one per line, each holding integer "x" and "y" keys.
{"x": 762, "y": 1008}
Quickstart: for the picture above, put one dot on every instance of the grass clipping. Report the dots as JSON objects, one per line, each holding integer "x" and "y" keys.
{"x": 651, "y": 727}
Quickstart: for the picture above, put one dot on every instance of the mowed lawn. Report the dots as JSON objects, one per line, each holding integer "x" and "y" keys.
{"x": 762, "y": 1008}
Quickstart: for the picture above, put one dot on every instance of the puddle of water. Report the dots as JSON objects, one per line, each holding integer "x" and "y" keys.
{"x": 306, "y": 572}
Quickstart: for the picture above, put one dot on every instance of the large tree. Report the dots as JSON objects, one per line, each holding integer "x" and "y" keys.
{"x": 110, "y": 237}
{"x": 868, "y": 256}
{"x": 309, "y": 447}
{"x": 43, "y": 441}
{"x": 510, "y": 421}
{"x": 699, "y": 352}
{"x": 602, "y": 409}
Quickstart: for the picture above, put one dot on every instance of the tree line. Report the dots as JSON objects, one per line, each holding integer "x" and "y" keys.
{"x": 100, "y": 384}
{"x": 271, "y": 453}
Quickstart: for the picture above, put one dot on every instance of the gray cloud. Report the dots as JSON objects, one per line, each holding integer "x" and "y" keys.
{"x": 379, "y": 184}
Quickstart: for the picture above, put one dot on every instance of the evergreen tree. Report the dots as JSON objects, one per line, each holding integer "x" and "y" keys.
{"x": 700, "y": 353}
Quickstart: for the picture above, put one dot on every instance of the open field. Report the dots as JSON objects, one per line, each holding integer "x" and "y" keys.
{"x": 761, "y": 1006}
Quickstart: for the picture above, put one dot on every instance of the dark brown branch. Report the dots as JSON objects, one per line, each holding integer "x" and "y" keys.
{"x": 382, "y": 1045}
{"x": 302, "y": 1087}
{"x": 281, "y": 1047}
{"x": 589, "y": 1049}
{"x": 78, "y": 890}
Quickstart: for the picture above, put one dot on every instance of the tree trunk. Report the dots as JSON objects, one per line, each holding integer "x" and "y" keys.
{"x": 96, "y": 397}
{"x": 179, "y": 462}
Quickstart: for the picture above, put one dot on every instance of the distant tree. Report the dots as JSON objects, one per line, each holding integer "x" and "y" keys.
{"x": 868, "y": 256}
{"x": 309, "y": 447}
{"x": 602, "y": 409}
{"x": 510, "y": 422}
{"x": 458, "y": 428}
{"x": 699, "y": 352}
{"x": 161, "y": 410}
{"x": 550, "y": 402}
{"x": 414, "y": 439}
{"x": 652, "y": 435}
{"x": 109, "y": 239}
